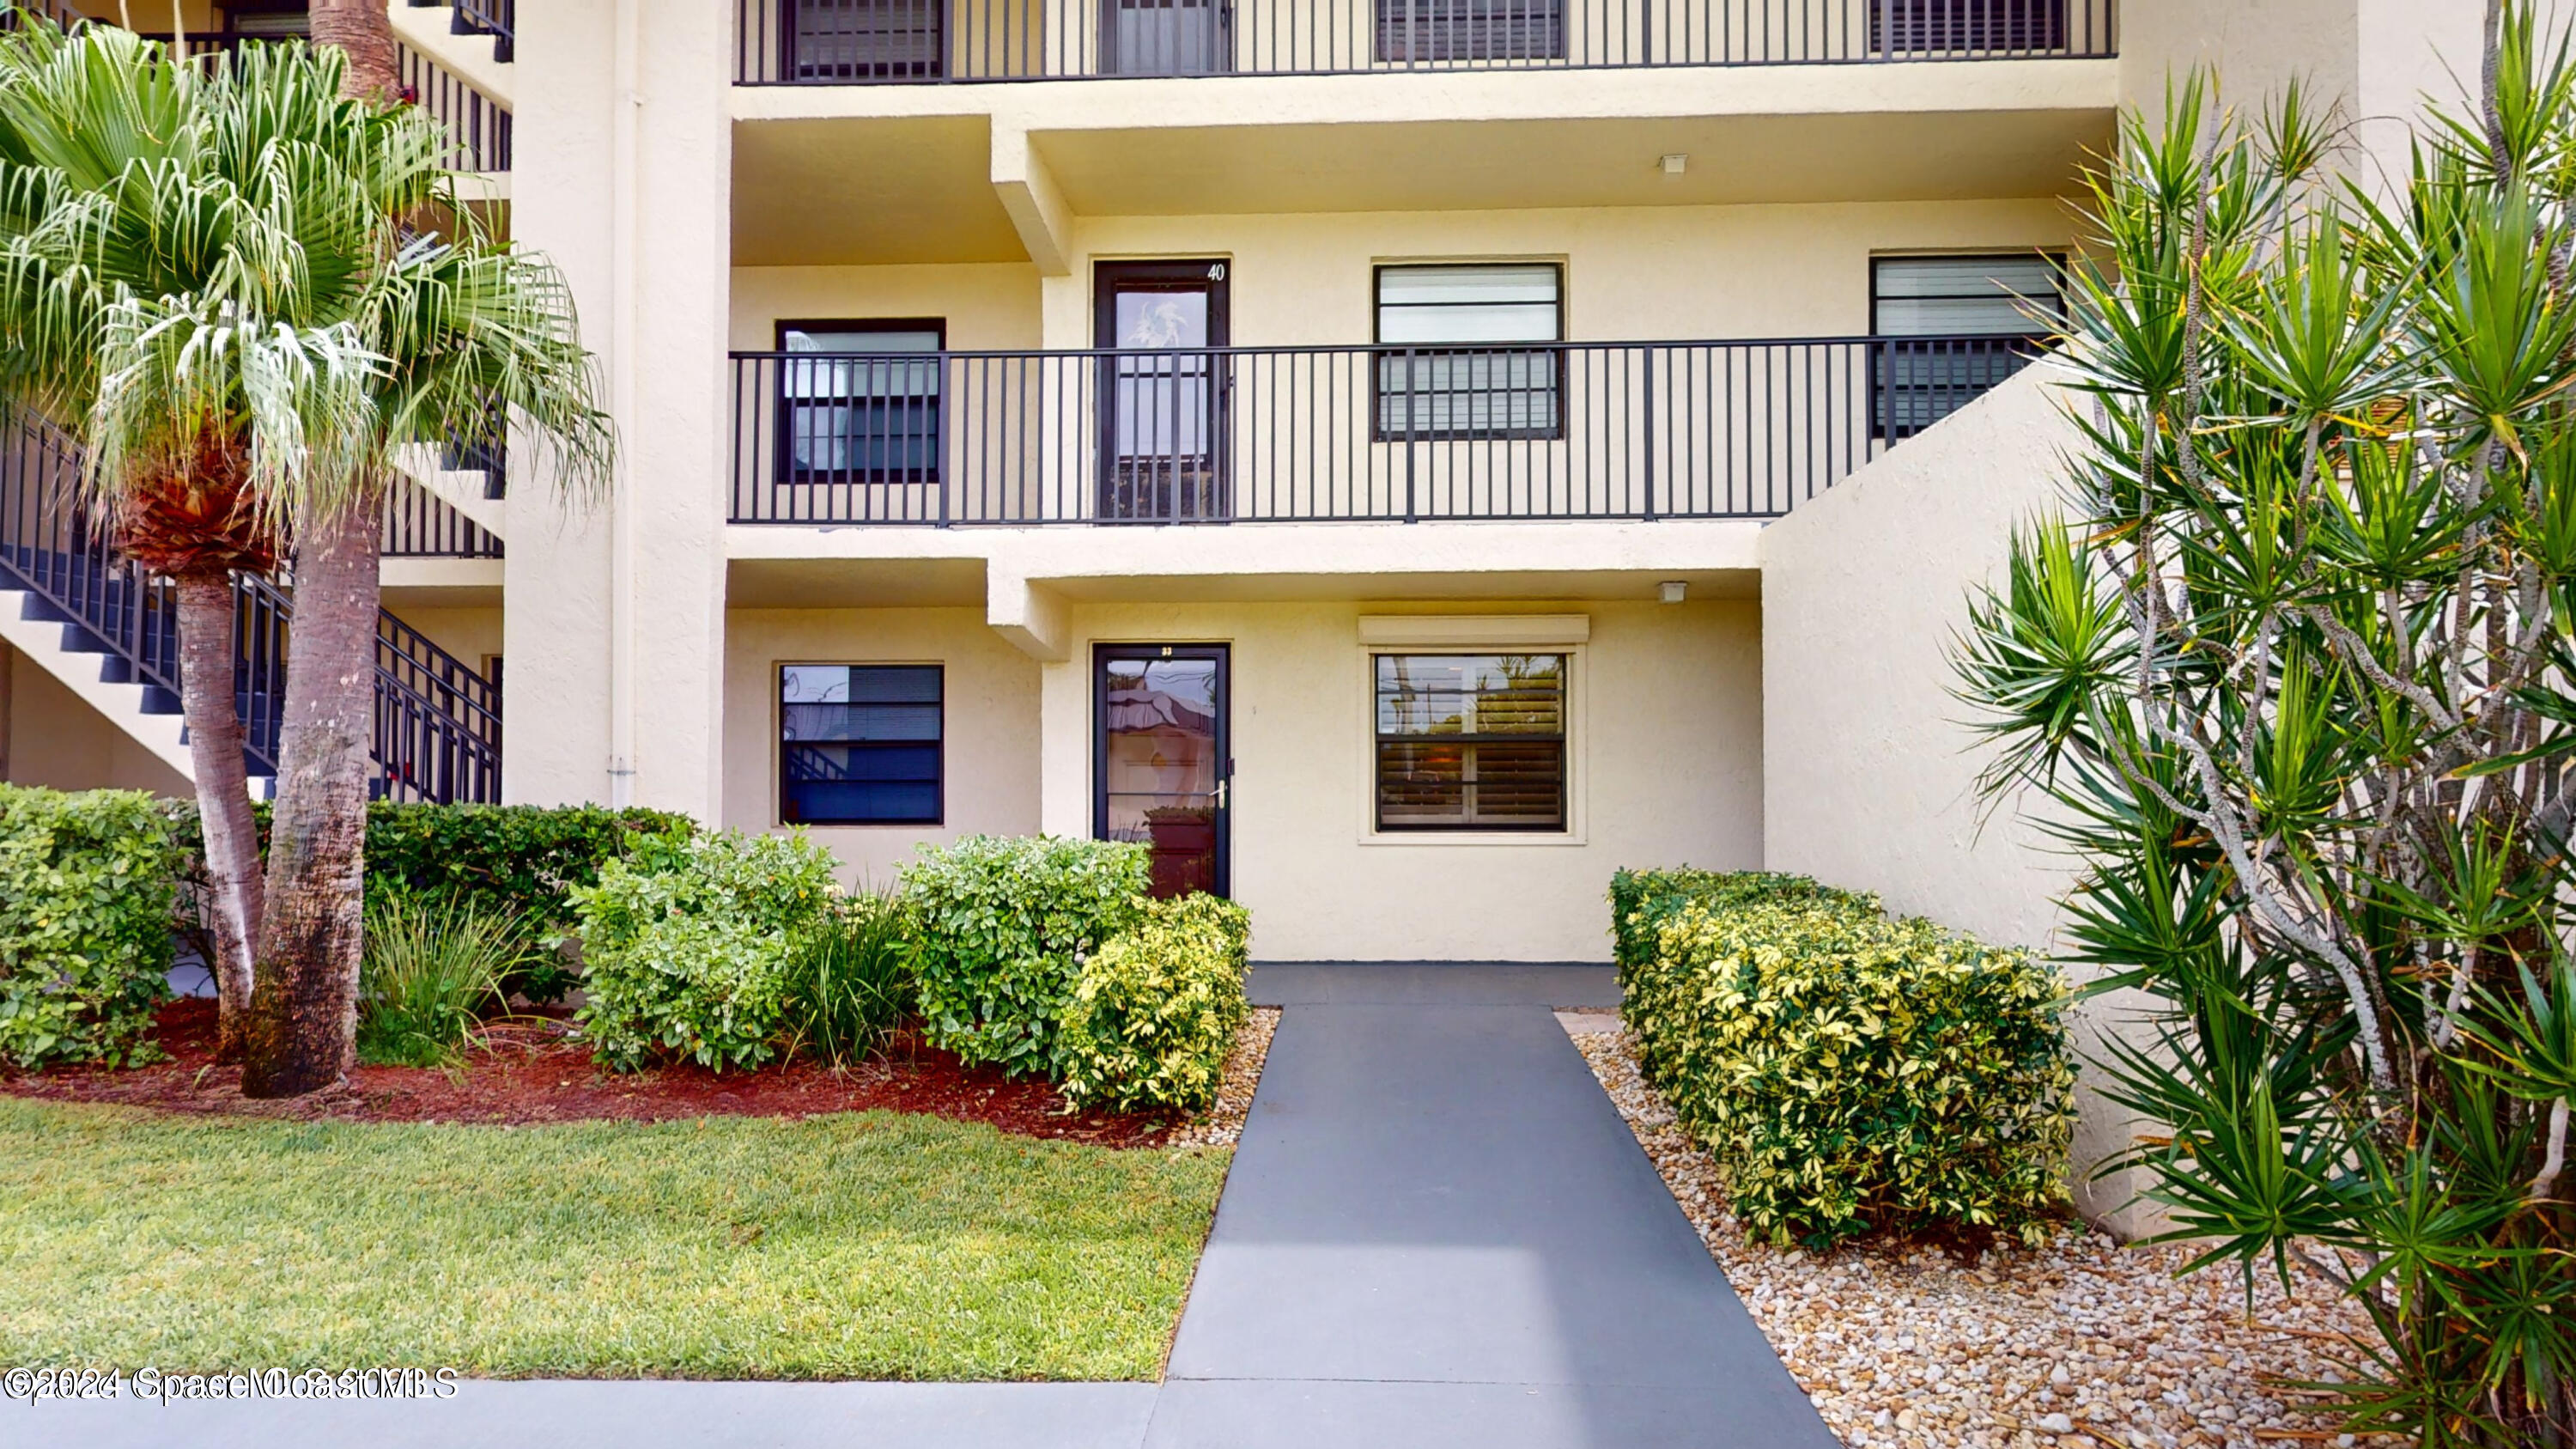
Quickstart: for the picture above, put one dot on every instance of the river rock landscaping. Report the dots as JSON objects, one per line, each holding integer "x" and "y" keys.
{"x": 2079, "y": 1343}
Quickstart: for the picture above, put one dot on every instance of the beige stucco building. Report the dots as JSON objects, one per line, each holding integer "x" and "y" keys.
{"x": 1403, "y": 460}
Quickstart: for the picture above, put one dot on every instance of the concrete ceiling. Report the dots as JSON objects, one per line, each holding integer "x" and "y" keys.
{"x": 887, "y": 190}
{"x": 1604, "y": 161}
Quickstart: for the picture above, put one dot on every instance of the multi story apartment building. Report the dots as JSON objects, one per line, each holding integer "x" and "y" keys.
{"x": 1342, "y": 444}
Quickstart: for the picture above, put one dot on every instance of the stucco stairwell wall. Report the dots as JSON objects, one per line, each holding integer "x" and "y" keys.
{"x": 1869, "y": 773}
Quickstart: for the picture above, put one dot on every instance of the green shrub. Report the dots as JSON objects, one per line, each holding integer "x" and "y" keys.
{"x": 433, "y": 966}
{"x": 1155, "y": 1011}
{"x": 686, "y": 943}
{"x": 87, "y": 886}
{"x": 1002, "y": 926}
{"x": 849, "y": 981}
{"x": 1851, "y": 1072}
{"x": 520, "y": 861}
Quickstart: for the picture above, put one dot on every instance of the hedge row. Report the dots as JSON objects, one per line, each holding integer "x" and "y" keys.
{"x": 1850, "y": 1072}
{"x": 1040, "y": 955}
{"x": 87, "y": 885}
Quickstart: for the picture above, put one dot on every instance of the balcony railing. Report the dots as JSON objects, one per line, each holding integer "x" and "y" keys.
{"x": 857, "y": 42}
{"x": 478, "y": 125}
{"x": 1637, "y": 430}
{"x": 420, "y": 524}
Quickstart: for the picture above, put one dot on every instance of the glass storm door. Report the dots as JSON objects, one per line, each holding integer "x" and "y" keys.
{"x": 1162, "y": 421}
{"x": 1160, "y": 763}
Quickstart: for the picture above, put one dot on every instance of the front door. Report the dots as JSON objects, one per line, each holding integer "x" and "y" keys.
{"x": 1162, "y": 423}
{"x": 1161, "y": 762}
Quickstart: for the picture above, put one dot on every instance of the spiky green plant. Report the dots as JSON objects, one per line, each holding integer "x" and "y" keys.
{"x": 433, "y": 972}
{"x": 2294, "y": 667}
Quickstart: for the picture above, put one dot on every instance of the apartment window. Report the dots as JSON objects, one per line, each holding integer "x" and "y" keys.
{"x": 864, "y": 407}
{"x": 1415, "y": 32}
{"x": 1916, "y": 27}
{"x": 267, "y": 22}
{"x": 1953, "y": 328}
{"x": 1464, "y": 371}
{"x": 859, "y": 744}
{"x": 1470, "y": 741}
{"x": 864, "y": 40}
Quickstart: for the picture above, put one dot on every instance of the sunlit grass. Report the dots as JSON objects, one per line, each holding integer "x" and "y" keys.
{"x": 873, "y": 1245}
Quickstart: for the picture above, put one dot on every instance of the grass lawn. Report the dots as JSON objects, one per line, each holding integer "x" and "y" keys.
{"x": 865, "y": 1246}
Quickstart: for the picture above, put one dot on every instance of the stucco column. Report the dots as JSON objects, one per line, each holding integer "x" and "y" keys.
{"x": 615, "y": 626}
{"x": 1064, "y": 741}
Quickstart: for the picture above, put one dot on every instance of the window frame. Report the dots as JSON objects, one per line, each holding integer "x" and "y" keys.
{"x": 232, "y": 13}
{"x": 794, "y": 67}
{"x": 1973, "y": 27}
{"x": 1421, "y": 28}
{"x": 779, "y": 743}
{"x": 1553, "y": 353}
{"x": 1562, "y": 830}
{"x": 787, "y": 470}
{"x": 1886, "y": 347}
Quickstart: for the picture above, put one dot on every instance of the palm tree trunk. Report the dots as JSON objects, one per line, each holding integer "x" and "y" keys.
{"x": 365, "y": 33}
{"x": 223, "y": 795}
{"x": 304, "y": 1008}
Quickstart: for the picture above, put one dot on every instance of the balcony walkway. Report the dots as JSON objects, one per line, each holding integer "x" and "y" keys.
{"x": 1437, "y": 1232}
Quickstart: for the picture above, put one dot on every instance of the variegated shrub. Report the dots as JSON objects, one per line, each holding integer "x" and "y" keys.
{"x": 1852, "y": 1072}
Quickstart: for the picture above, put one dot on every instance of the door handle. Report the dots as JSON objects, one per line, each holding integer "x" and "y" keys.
{"x": 1220, "y": 794}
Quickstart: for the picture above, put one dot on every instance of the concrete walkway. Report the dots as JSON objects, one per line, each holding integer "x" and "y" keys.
{"x": 1437, "y": 1232}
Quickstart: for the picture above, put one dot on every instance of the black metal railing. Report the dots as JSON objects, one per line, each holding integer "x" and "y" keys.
{"x": 850, "y": 42}
{"x": 496, "y": 18}
{"x": 420, "y": 524}
{"x": 479, "y": 126}
{"x": 54, "y": 547}
{"x": 1635, "y": 430}
{"x": 438, "y": 721}
{"x": 66, "y": 15}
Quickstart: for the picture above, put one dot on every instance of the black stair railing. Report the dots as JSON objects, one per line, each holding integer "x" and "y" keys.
{"x": 496, "y": 18}
{"x": 438, "y": 721}
{"x": 479, "y": 126}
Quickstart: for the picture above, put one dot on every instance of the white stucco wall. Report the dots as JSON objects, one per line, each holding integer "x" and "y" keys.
{"x": 1871, "y": 779}
{"x": 53, "y": 738}
{"x": 1664, "y": 746}
{"x": 989, "y": 749}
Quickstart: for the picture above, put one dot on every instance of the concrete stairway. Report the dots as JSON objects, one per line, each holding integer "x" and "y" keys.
{"x": 102, "y": 678}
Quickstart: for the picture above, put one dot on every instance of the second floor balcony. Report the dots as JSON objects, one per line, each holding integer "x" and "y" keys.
{"x": 868, "y": 42}
{"x": 1394, "y": 434}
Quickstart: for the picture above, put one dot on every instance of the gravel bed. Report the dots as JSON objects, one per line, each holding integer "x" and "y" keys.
{"x": 1223, "y": 1124}
{"x": 2080, "y": 1344}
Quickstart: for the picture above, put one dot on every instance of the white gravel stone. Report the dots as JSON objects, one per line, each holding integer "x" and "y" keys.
{"x": 1222, "y": 1124}
{"x": 2081, "y": 1343}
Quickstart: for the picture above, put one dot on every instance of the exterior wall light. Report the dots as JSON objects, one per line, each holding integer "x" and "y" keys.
{"x": 1672, "y": 591}
{"x": 1675, "y": 163}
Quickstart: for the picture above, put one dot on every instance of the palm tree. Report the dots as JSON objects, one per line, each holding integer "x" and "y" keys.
{"x": 217, "y": 279}
{"x": 465, "y": 327}
{"x": 135, "y": 249}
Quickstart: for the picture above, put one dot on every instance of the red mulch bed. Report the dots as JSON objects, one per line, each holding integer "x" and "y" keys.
{"x": 531, "y": 1073}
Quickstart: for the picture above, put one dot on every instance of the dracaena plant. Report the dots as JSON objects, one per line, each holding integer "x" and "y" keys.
{"x": 2291, "y": 669}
